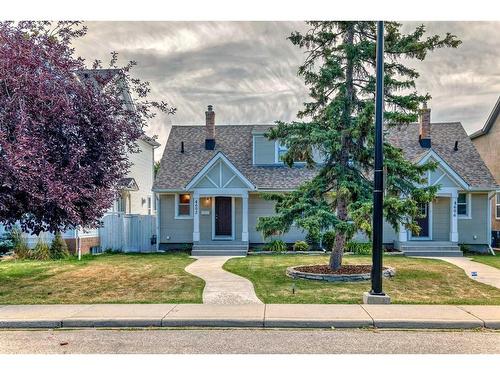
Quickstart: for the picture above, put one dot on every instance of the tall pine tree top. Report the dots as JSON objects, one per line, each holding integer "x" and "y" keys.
{"x": 338, "y": 123}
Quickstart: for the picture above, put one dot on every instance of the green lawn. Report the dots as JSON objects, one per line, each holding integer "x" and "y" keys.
{"x": 114, "y": 278}
{"x": 490, "y": 260}
{"x": 422, "y": 281}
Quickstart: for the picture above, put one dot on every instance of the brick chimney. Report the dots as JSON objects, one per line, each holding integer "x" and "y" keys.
{"x": 210, "y": 128}
{"x": 424, "y": 136}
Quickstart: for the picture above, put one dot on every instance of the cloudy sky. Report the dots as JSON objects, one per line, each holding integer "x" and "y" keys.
{"x": 247, "y": 70}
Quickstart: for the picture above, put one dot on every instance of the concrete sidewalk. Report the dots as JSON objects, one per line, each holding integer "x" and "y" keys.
{"x": 251, "y": 315}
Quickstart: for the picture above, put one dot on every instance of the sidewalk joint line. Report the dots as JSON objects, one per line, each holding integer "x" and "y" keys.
{"x": 168, "y": 312}
{"x": 477, "y": 317}
{"x": 367, "y": 313}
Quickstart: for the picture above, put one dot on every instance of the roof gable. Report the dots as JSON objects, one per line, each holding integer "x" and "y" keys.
{"x": 220, "y": 173}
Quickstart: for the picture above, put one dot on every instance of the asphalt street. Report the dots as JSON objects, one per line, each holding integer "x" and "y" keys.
{"x": 242, "y": 341}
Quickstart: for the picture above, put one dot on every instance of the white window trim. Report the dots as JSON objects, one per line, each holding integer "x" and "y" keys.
{"x": 468, "y": 201}
{"x": 176, "y": 205}
{"x": 497, "y": 204}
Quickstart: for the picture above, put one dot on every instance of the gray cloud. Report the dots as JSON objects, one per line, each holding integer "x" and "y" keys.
{"x": 247, "y": 70}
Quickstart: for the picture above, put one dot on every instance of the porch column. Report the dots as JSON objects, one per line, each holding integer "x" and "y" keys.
{"x": 196, "y": 216}
{"x": 158, "y": 227}
{"x": 244, "y": 216}
{"x": 453, "y": 217}
{"x": 403, "y": 234}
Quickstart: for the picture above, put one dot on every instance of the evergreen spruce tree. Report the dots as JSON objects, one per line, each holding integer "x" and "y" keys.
{"x": 338, "y": 122}
{"x": 58, "y": 248}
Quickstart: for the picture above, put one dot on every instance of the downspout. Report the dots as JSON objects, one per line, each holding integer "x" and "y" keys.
{"x": 488, "y": 226}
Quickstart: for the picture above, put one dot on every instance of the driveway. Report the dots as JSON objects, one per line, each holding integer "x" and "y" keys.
{"x": 222, "y": 287}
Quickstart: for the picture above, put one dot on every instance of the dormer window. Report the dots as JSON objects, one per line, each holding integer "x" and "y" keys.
{"x": 281, "y": 150}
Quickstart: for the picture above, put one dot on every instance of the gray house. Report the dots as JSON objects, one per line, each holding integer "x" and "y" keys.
{"x": 209, "y": 184}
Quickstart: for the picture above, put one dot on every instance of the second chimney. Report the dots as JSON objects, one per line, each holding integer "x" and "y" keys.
{"x": 424, "y": 136}
{"x": 210, "y": 128}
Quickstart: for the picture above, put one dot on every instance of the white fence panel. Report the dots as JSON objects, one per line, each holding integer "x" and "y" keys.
{"x": 128, "y": 232}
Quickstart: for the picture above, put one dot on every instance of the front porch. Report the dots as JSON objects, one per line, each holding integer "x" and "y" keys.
{"x": 220, "y": 222}
{"x": 438, "y": 234}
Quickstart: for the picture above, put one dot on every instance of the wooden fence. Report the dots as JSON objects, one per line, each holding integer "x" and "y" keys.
{"x": 127, "y": 232}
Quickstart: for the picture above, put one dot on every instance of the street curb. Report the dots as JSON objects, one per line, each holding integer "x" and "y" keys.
{"x": 252, "y": 316}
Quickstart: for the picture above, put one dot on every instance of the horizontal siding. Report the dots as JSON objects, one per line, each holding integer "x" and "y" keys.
{"x": 264, "y": 150}
{"x": 258, "y": 207}
{"x": 441, "y": 219}
{"x": 142, "y": 171}
{"x": 477, "y": 225}
{"x": 179, "y": 230}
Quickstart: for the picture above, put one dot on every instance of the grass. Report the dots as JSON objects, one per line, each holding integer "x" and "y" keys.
{"x": 114, "y": 278}
{"x": 489, "y": 260}
{"x": 417, "y": 281}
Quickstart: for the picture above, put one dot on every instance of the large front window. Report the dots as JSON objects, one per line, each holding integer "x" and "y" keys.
{"x": 184, "y": 205}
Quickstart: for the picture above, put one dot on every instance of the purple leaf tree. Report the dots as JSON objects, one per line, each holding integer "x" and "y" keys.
{"x": 65, "y": 129}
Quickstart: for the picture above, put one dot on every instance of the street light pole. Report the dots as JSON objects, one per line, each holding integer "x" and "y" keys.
{"x": 376, "y": 295}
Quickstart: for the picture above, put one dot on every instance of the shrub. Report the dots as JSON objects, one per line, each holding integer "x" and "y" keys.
{"x": 300, "y": 246}
{"x": 58, "y": 248}
{"x": 41, "y": 250}
{"x": 359, "y": 248}
{"x": 20, "y": 246}
{"x": 464, "y": 248}
{"x": 313, "y": 239}
{"x": 276, "y": 246}
{"x": 6, "y": 243}
{"x": 328, "y": 240}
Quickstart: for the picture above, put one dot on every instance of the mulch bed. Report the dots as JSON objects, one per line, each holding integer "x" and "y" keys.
{"x": 344, "y": 270}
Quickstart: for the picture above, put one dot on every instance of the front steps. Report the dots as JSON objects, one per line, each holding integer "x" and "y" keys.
{"x": 430, "y": 249}
{"x": 224, "y": 248}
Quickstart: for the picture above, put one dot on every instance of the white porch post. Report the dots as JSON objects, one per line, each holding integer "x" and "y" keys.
{"x": 453, "y": 217}
{"x": 158, "y": 212}
{"x": 244, "y": 224}
{"x": 403, "y": 234}
{"x": 196, "y": 216}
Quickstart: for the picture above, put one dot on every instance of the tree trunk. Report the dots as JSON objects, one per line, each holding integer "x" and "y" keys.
{"x": 341, "y": 237}
{"x": 337, "y": 251}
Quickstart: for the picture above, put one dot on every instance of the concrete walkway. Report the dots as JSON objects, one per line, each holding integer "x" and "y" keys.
{"x": 222, "y": 287}
{"x": 485, "y": 274}
{"x": 251, "y": 315}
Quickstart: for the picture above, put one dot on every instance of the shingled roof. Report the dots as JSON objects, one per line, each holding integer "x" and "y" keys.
{"x": 235, "y": 142}
{"x": 466, "y": 161}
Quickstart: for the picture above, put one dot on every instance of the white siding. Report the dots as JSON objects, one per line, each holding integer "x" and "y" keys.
{"x": 142, "y": 171}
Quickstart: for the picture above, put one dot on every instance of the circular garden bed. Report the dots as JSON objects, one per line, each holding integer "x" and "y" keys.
{"x": 322, "y": 272}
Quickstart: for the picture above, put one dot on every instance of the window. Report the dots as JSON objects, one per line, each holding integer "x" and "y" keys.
{"x": 149, "y": 205}
{"x": 183, "y": 206}
{"x": 497, "y": 206}
{"x": 463, "y": 205}
{"x": 280, "y": 152}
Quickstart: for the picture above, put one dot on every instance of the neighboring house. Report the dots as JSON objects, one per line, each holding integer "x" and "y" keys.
{"x": 134, "y": 194}
{"x": 487, "y": 142}
{"x": 210, "y": 182}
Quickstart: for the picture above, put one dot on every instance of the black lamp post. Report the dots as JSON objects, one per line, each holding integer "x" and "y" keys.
{"x": 376, "y": 294}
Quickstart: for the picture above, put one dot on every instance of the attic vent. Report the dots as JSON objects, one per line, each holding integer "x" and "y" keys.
{"x": 456, "y": 146}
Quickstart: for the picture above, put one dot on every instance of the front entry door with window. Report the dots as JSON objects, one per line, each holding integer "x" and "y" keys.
{"x": 223, "y": 217}
{"x": 423, "y": 222}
